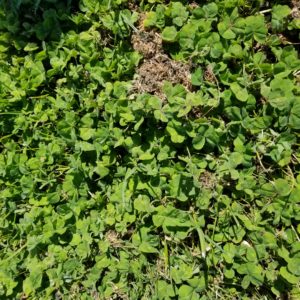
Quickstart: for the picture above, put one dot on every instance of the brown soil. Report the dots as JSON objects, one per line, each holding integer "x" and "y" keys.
{"x": 156, "y": 67}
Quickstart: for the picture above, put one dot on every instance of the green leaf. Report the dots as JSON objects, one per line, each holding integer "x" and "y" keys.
{"x": 186, "y": 292}
{"x": 256, "y": 28}
{"x": 246, "y": 282}
{"x": 288, "y": 276}
{"x": 176, "y": 137}
{"x": 147, "y": 248}
{"x": 197, "y": 77}
{"x": 160, "y": 115}
{"x": 240, "y": 93}
{"x": 294, "y": 119}
{"x": 172, "y": 220}
{"x": 226, "y": 30}
{"x": 178, "y": 13}
{"x": 279, "y": 13}
{"x": 295, "y": 195}
{"x": 181, "y": 273}
{"x": 282, "y": 187}
{"x": 85, "y": 146}
{"x": 229, "y": 273}
{"x": 164, "y": 290}
{"x": 142, "y": 204}
{"x": 33, "y": 281}
{"x": 101, "y": 170}
{"x": 86, "y": 133}
{"x": 31, "y": 47}
{"x": 169, "y": 34}
{"x": 182, "y": 187}
{"x": 198, "y": 142}
{"x": 146, "y": 156}
{"x": 294, "y": 266}
{"x": 154, "y": 103}
{"x": 173, "y": 91}
{"x": 210, "y": 10}
{"x": 235, "y": 159}
{"x": 150, "y": 19}
{"x": 187, "y": 34}
{"x": 254, "y": 272}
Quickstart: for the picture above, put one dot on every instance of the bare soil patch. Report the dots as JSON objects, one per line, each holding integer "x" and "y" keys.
{"x": 157, "y": 66}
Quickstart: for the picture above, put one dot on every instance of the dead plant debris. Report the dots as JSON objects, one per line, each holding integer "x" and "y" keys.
{"x": 147, "y": 43}
{"x": 208, "y": 180}
{"x": 154, "y": 71}
{"x": 296, "y": 9}
{"x": 113, "y": 238}
{"x": 157, "y": 66}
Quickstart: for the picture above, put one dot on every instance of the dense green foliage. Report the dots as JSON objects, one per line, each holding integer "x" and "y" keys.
{"x": 110, "y": 194}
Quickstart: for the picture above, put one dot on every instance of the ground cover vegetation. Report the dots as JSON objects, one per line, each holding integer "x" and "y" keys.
{"x": 149, "y": 149}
